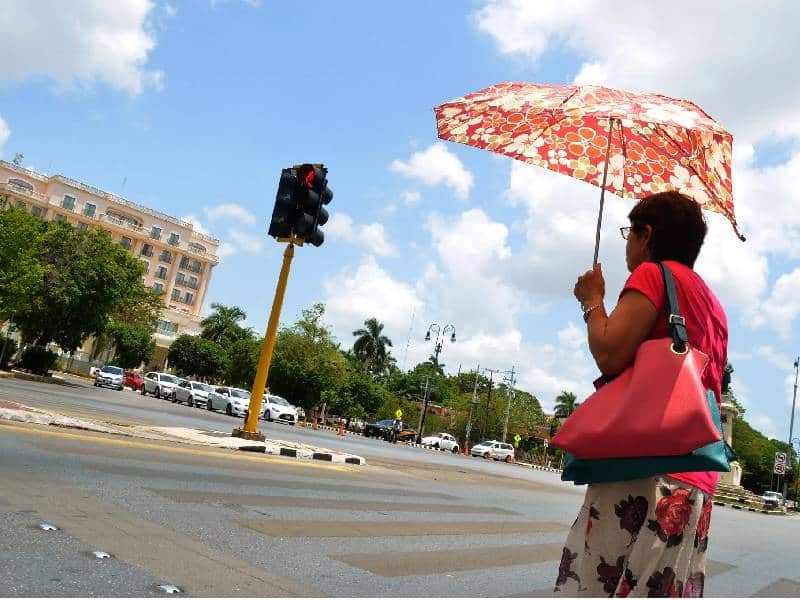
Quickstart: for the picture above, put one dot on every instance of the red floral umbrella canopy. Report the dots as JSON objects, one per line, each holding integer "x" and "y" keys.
{"x": 657, "y": 143}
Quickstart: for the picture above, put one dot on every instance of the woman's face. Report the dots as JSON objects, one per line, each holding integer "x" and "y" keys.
{"x": 636, "y": 251}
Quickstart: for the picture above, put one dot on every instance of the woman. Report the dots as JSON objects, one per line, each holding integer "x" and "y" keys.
{"x": 648, "y": 537}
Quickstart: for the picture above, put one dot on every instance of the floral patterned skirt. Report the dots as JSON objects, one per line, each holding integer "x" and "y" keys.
{"x": 646, "y": 537}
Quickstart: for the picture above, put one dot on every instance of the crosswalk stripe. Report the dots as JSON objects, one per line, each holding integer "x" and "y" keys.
{"x": 323, "y": 503}
{"x": 779, "y": 588}
{"x": 399, "y": 564}
{"x": 352, "y": 529}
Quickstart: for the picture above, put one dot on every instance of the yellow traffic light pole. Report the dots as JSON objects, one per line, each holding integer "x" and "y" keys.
{"x": 265, "y": 359}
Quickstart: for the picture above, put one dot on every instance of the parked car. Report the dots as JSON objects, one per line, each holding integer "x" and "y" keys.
{"x": 494, "y": 449}
{"x": 444, "y": 441}
{"x": 159, "y": 384}
{"x": 773, "y": 499}
{"x": 193, "y": 393}
{"x": 383, "y": 429}
{"x": 133, "y": 380}
{"x": 110, "y": 376}
{"x": 234, "y": 401}
{"x": 278, "y": 409}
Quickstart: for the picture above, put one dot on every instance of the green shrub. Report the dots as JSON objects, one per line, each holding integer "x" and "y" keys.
{"x": 38, "y": 360}
{"x": 11, "y": 349}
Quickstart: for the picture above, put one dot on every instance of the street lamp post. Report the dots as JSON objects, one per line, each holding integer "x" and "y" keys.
{"x": 439, "y": 334}
{"x": 473, "y": 401}
{"x": 791, "y": 425}
{"x": 509, "y": 398}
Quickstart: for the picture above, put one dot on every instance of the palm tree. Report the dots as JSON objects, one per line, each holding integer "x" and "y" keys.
{"x": 565, "y": 404}
{"x": 222, "y": 325}
{"x": 370, "y": 345}
{"x": 435, "y": 365}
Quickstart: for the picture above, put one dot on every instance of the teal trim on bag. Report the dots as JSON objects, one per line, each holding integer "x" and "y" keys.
{"x": 713, "y": 457}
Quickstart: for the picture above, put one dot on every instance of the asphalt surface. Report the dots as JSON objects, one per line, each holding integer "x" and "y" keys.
{"x": 221, "y": 523}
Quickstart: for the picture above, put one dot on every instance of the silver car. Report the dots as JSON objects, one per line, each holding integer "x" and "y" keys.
{"x": 159, "y": 384}
{"x": 193, "y": 393}
{"x": 109, "y": 376}
{"x": 234, "y": 401}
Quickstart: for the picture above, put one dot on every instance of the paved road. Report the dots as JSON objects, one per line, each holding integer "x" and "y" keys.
{"x": 219, "y": 523}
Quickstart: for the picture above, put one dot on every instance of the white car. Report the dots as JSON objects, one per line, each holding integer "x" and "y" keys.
{"x": 443, "y": 441}
{"x": 110, "y": 376}
{"x": 774, "y": 498}
{"x": 234, "y": 401}
{"x": 278, "y": 409}
{"x": 494, "y": 449}
{"x": 193, "y": 393}
{"x": 159, "y": 384}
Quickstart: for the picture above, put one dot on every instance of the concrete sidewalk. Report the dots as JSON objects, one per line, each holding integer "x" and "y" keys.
{"x": 13, "y": 411}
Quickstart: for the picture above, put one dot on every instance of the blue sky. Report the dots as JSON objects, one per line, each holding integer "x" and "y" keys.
{"x": 194, "y": 107}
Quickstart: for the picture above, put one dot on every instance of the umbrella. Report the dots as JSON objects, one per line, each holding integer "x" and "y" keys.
{"x": 632, "y": 145}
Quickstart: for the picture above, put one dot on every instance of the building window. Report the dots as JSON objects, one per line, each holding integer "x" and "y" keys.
{"x": 165, "y": 256}
{"x": 197, "y": 247}
{"x": 189, "y": 298}
{"x": 146, "y": 266}
{"x": 68, "y": 202}
{"x": 155, "y": 233}
{"x": 147, "y": 250}
{"x": 184, "y": 263}
{"x": 60, "y": 218}
{"x": 81, "y": 226}
{"x": 176, "y": 294}
{"x": 193, "y": 282}
{"x": 89, "y": 209}
{"x": 20, "y": 204}
{"x": 36, "y": 211}
{"x": 180, "y": 278}
{"x": 167, "y": 328}
{"x": 195, "y": 268}
{"x": 20, "y": 183}
{"x": 174, "y": 239}
{"x": 125, "y": 242}
{"x": 159, "y": 287}
{"x": 161, "y": 272}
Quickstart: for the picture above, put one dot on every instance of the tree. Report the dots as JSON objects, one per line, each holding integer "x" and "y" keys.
{"x": 194, "y": 356}
{"x": 370, "y": 345}
{"x": 88, "y": 278}
{"x": 21, "y": 269}
{"x": 242, "y": 362}
{"x": 435, "y": 365}
{"x": 565, "y": 404}
{"x": 222, "y": 325}
{"x": 134, "y": 344}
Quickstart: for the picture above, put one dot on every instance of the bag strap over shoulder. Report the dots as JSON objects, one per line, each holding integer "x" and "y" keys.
{"x": 676, "y": 324}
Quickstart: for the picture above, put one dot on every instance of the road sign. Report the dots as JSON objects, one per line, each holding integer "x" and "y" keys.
{"x": 780, "y": 469}
{"x": 398, "y": 413}
{"x": 517, "y": 440}
{"x": 780, "y": 458}
{"x": 476, "y": 400}
{"x": 546, "y": 443}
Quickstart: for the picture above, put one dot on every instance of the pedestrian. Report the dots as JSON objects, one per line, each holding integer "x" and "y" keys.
{"x": 648, "y": 537}
{"x": 397, "y": 426}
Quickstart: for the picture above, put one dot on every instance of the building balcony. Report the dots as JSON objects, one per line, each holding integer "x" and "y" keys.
{"x": 121, "y": 223}
{"x": 20, "y": 190}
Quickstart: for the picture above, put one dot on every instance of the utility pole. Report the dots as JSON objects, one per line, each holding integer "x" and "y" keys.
{"x": 488, "y": 400}
{"x": 509, "y": 398}
{"x": 424, "y": 408}
{"x": 791, "y": 425}
{"x": 473, "y": 401}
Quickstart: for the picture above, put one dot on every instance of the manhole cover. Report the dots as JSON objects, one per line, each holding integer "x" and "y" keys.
{"x": 169, "y": 589}
{"x": 100, "y": 554}
{"x": 47, "y": 527}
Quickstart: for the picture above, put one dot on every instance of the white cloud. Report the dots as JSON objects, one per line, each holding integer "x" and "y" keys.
{"x": 436, "y": 165}
{"x": 5, "y": 132}
{"x": 411, "y": 197}
{"x": 230, "y": 211}
{"x": 776, "y": 358}
{"x": 371, "y": 236}
{"x": 245, "y": 241}
{"x": 782, "y": 306}
{"x": 353, "y": 297}
{"x": 226, "y": 249}
{"x": 196, "y": 224}
{"x": 742, "y": 50}
{"x": 92, "y": 40}
{"x": 764, "y": 424}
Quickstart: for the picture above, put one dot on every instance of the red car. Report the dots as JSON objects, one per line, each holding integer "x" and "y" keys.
{"x": 133, "y": 379}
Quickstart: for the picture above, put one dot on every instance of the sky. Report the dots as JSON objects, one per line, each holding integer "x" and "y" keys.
{"x": 193, "y": 108}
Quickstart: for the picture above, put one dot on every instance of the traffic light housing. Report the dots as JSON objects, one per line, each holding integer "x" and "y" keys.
{"x": 300, "y": 203}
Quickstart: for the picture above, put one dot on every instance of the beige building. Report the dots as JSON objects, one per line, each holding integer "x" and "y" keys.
{"x": 177, "y": 259}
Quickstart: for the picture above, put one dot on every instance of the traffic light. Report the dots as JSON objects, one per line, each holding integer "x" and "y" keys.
{"x": 313, "y": 194}
{"x": 284, "y": 214}
{"x": 299, "y": 204}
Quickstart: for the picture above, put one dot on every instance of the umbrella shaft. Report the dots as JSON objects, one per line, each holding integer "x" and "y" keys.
{"x": 602, "y": 194}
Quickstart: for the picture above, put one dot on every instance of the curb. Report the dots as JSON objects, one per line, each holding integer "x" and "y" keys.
{"x": 30, "y": 377}
{"x": 748, "y": 508}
